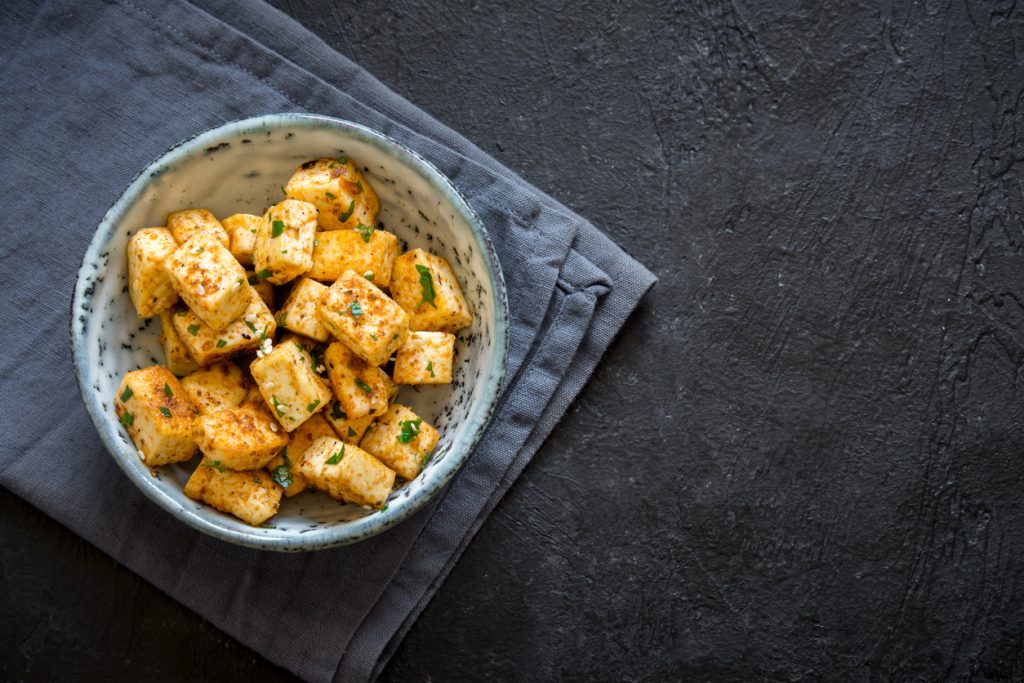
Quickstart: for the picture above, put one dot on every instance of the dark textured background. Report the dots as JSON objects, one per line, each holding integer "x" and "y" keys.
{"x": 803, "y": 457}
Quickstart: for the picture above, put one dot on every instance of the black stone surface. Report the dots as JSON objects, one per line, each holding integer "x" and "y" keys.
{"x": 803, "y": 457}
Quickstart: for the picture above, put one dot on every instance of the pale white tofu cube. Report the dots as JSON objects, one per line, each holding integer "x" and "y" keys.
{"x": 402, "y": 440}
{"x": 209, "y": 280}
{"x": 222, "y": 385}
{"x": 299, "y": 311}
{"x": 339, "y": 191}
{"x": 362, "y": 316}
{"x": 158, "y": 414}
{"x": 290, "y": 387}
{"x": 149, "y": 284}
{"x": 239, "y": 438}
{"x": 425, "y": 286}
{"x": 176, "y": 354}
{"x": 252, "y": 330}
{"x": 284, "y": 242}
{"x": 242, "y": 229}
{"x": 366, "y": 251}
{"x": 425, "y": 358}
{"x": 188, "y": 223}
{"x": 362, "y": 389}
{"x": 251, "y": 496}
{"x": 346, "y": 472}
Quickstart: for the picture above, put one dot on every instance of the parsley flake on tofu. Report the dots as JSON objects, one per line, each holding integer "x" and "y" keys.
{"x": 276, "y": 228}
{"x": 221, "y": 343}
{"x": 127, "y": 419}
{"x": 193, "y": 330}
{"x": 126, "y": 394}
{"x": 355, "y": 308}
{"x": 430, "y": 369}
{"x": 282, "y": 320}
{"x": 282, "y": 474}
{"x": 426, "y": 286}
{"x": 265, "y": 273}
{"x": 351, "y": 432}
{"x": 368, "y": 275}
{"x": 384, "y": 508}
{"x": 336, "y": 458}
{"x": 167, "y": 390}
{"x": 214, "y": 464}
{"x": 347, "y": 213}
{"x": 366, "y": 231}
{"x": 337, "y": 413}
{"x": 277, "y": 405}
{"x": 254, "y": 279}
{"x": 342, "y": 160}
{"x": 410, "y": 430}
{"x": 330, "y": 195}
{"x": 312, "y": 406}
{"x": 363, "y": 385}
{"x": 165, "y": 411}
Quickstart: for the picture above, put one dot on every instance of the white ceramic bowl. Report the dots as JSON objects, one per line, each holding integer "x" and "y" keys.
{"x": 240, "y": 167}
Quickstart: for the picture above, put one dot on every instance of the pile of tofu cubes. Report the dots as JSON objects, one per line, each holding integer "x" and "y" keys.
{"x": 280, "y": 399}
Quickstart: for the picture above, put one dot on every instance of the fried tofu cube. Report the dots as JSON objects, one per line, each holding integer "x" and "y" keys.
{"x": 425, "y": 358}
{"x": 222, "y": 385}
{"x": 242, "y": 229}
{"x": 362, "y": 316}
{"x": 251, "y": 496}
{"x": 299, "y": 312}
{"x": 248, "y": 332}
{"x": 348, "y": 429}
{"x": 158, "y": 415}
{"x": 188, "y": 223}
{"x": 289, "y": 385}
{"x": 284, "y": 468}
{"x": 339, "y": 191}
{"x": 209, "y": 280}
{"x": 239, "y": 438}
{"x": 346, "y": 472}
{"x": 149, "y": 284}
{"x": 284, "y": 241}
{"x": 262, "y": 287}
{"x": 402, "y": 440}
{"x": 176, "y": 354}
{"x": 425, "y": 286}
{"x": 367, "y": 251}
{"x": 362, "y": 389}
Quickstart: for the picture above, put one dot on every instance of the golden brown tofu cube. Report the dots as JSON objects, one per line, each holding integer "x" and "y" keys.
{"x": 290, "y": 387}
{"x": 251, "y": 496}
{"x": 176, "y": 354}
{"x": 425, "y": 286}
{"x": 299, "y": 311}
{"x": 425, "y": 358}
{"x": 362, "y": 316}
{"x": 367, "y": 251}
{"x": 338, "y": 189}
{"x": 262, "y": 287}
{"x": 362, "y": 389}
{"x": 222, "y": 385}
{"x": 186, "y": 224}
{"x": 149, "y": 284}
{"x": 158, "y": 415}
{"x": 348, "y": 429}
{"x": 250, "y": 331}
{"x": 239, "y": 438}
{"x": 242, "y": 229}
{"x": 284, "y": 242}
{"x": 346, "y": 472}
{"x": 209, "y": 280}
{"x": 284, "y": 467}
{"x": 402, "y": 440}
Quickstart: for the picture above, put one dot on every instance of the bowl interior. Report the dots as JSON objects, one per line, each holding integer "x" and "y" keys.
{"x": 241, "y": 168}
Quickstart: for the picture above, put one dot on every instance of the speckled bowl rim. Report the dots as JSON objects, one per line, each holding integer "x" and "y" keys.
{"x": 436, "y": 477}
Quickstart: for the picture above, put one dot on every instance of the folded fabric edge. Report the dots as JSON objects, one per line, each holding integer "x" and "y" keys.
{"x": 610, "y": 315}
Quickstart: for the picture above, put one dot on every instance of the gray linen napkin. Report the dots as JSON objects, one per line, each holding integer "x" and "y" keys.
{"x": 93, "y": 92}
